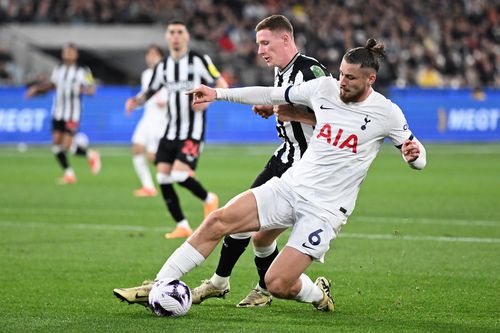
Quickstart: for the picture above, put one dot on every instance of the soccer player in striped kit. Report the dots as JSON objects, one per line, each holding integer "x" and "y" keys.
{"x": 180, "y": 147}
{"x": 71, "y": 81}
{"x": 277, "y": 47}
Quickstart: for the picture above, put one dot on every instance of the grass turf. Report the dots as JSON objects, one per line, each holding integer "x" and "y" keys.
{"x": 419, "y": 254}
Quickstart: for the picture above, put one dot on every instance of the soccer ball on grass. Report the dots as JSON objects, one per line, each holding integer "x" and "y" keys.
{"x": 170, "y": 298}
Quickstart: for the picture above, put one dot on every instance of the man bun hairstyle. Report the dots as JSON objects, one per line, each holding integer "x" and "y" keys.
{"x": 275, "y": 23}
{"x": 367, "y": 56}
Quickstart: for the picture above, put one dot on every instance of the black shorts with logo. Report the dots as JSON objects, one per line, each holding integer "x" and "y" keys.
{"x": 70, "y": 126}
{"x": 187, "y": 151}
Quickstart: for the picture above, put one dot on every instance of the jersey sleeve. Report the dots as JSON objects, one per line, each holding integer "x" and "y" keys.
{"x": 398, "y": 130}
{"x": 156, "y": 81}
{"x": 86, "y": 79}
{"x": 303, "y": 93}
{"x": 208, "y": 71}
{"x": 313, "y": 71}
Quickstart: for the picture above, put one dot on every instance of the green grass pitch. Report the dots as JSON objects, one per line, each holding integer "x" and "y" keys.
{"x": 421, "y": 253}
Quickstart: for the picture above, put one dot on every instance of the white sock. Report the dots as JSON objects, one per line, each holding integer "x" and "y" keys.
{"x": 69, "y": 172}
{"x": 182, "y": 261}
{"x": 184, "y": 223}
{"x": 220, "y": 282}
{"x": 142, "y": 170}
{"x": 309, "y": 293}
{"x": 210, "y": 197}
{"x": 266, "y": 251}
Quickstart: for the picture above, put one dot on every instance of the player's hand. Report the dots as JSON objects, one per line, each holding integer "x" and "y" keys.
{"x": 265, "y": 111}
{"x": 202, "y": 94}
{"x": 130, "y": 105}
{"x": 200, "y": 106}
{"x": 32, "y": 91}
{"x": 410, "y": 151}
{"x": 285, "y": 112}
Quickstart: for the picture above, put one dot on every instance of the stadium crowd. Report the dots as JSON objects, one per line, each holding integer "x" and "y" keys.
{"x": 430, "y": 43}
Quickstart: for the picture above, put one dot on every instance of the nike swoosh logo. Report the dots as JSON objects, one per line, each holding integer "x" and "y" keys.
{"x": 325, "y": 108}
{"x": 307, "y": 246}
{"x": 139, "y": 297}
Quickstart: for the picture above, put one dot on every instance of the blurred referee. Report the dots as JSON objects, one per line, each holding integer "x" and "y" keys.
{"x": 179, "y": 149}
{"x": 70, "y": 81}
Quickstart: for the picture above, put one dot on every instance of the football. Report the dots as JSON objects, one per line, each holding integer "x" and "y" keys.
{"x": 170, "y": 298}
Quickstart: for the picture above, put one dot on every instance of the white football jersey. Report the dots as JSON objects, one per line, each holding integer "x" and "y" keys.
{"x": 151, "y": 109}
{"x": 346, "y": 140}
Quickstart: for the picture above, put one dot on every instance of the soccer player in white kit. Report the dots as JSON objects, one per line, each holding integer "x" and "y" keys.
{"x": 150, "y": 128}
{"x": 314, "y": 197}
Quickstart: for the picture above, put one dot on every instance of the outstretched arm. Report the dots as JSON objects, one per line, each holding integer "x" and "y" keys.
{"x": 134, "y": 102}
{"x": 248, "y": 95}
{"x": 40, "y": 88}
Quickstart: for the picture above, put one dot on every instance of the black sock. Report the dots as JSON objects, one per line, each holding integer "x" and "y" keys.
{"x": 81, "y": 151}
{"x": 195, "y": 187}
{"x": 231, "y": 251}
{"x": 263, "y": 265}
{"x": 172, "y": 201}
{"x": 62, "y": 159}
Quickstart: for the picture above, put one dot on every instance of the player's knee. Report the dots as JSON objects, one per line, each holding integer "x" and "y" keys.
{"x": 261, "y": 240}
{"x": 179, "y": 176}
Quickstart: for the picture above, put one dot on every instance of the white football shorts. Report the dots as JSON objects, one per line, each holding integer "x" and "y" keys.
{"x": 148, "y": 132}
{"x": 313, "y": 227}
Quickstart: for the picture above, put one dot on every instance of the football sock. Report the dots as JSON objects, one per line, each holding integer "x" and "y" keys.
{"x": 142, "y": 170}
{"x": 230, "y": 252}
{"x": 61, "y": 156}
{"x": 81, "y": 151}
{"x": 220, "y": 282}
{"x": 172, "y": 201}
{"x": 309, "y": 292}
{"x": 195, "y": 187}
{"x": 183, "y": 260}
{"x": 184, "y": 223}
{"x": 264, "y": 257}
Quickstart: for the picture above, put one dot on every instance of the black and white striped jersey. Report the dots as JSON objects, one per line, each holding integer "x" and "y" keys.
{"x": 295, "y": 135}
{"x": 178, "y": 77}
{"x": 69, "y": 81}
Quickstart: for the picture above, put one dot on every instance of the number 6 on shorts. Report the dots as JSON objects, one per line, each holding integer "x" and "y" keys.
{"x": 314, "y": 237}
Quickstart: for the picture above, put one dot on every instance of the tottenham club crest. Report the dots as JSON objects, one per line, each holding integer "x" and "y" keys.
{"x": 363, "y": 127}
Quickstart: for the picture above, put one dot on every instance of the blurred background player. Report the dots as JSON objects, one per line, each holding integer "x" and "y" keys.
{"x": 150, "y": 128}
{"x": 277, "y": 47}
{"x": 70, "y": 80}
{"x": 182, "y": 143}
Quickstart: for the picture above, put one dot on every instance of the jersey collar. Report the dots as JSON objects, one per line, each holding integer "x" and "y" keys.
{"x": 290, "y": 64}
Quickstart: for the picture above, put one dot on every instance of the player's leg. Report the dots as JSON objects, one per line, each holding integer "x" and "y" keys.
{"x": 265, "y": 250}
{"x": 79, "y": 146}
{"x": 310, "y": 238}
{"x": 60, "y": 152}
{"x": 183, "y": 173}
{"x": 233, "y": 247}
{"x": 218, "y": 285}
{"x": 240, "y": 214}
{"x": 140, "y": 159}
{"x": 141, "y": 167}
{"x": 286, "y": 279}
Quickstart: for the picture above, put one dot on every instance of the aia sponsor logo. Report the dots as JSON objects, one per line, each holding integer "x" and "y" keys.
{"x": 338, "y": 139}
